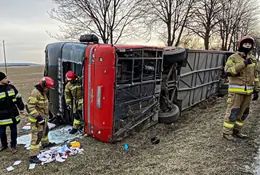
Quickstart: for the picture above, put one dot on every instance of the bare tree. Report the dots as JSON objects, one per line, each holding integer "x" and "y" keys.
{"x": 168, "y": 18}
{"x": 190, "y": 41}
{"x": 204, "y": 19}
{"x": 108, "y": 19}
{"x": 229, "y": 19}
{"x": 236, "y": 19}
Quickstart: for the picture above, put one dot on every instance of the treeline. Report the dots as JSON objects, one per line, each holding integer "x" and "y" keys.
{"x": 219, "y": 23}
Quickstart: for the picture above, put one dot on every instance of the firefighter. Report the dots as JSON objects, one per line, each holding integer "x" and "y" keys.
{"x": 73, "y": 98}
{"x": 10, "y": 104}
{"x": 38, "y": 109}
{"x": 241, "y": 70}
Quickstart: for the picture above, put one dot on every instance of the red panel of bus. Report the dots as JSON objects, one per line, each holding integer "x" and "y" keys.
{"x": 99, "y": 80}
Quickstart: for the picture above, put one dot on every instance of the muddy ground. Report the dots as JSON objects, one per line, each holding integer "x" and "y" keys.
{"x": 194, "y": 145}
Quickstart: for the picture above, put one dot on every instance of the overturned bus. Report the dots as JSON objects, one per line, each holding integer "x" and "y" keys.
{"x": 130, "y": 88}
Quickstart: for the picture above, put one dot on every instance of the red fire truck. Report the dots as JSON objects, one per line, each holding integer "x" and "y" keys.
{"x": 125, "y": 88}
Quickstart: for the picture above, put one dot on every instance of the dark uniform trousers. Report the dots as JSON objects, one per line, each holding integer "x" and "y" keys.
{"x": 3, "y": 136}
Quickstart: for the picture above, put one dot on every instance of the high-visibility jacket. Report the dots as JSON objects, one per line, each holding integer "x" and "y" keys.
{"x": 37, "y": 104}
{"x": 73, "y": 95}
{"x": 244, "y": 79}
{"x": 10, "y": 102}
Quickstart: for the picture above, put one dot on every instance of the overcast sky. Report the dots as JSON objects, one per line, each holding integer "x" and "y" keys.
{"x": 23, "y": 26}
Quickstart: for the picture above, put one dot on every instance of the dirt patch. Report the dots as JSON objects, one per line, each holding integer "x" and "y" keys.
{"x": 193, "y": 145}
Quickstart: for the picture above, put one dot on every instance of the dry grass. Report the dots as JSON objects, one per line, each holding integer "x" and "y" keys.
{"x": 193, "y": 146}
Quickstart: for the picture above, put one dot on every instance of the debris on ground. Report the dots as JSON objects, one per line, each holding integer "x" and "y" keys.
{"x": 58, "y": 136}
{"x": 58, "y": 153}
{"x": 126, "y": 147}
{"x": 75, "y": 144}
{"x": 51, "y": 125}
{"x": 10, "y": 168}
{"x": 32, "y": 166}
{"x": 155, "y": 140}
{"x": 17, "y": 162}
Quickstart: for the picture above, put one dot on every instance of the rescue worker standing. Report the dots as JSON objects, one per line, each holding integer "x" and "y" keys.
{"x": 38, "y": 110}
{"x": 241, "y": 70}
{"x": 73, "y": 98}
{"x": 10, "y": 102}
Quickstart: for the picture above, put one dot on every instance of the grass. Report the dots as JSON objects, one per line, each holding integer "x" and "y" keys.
{"x": 193, "y": 145}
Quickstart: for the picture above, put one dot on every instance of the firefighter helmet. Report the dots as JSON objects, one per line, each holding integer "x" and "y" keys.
{"x": 47, "y": 82}
{"x": 70, "y": 75}
{"x": 245, "y": 39}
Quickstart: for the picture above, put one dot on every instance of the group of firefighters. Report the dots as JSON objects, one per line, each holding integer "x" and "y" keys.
{"x": 241, "y": 69}
{"x": 37, "y": 108}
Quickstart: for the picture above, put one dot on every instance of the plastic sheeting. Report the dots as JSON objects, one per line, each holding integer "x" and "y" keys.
{"x": 59, "y": 135}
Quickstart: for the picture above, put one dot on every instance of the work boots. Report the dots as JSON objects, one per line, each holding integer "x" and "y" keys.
{"x": 230, "y": 137}
{"x": 240, "y": 135}
{"x": 35, "y": 159}
{"x": 13, "y": 150}
{"x": 73, "y": 131}
{"x": 46, "y": 145}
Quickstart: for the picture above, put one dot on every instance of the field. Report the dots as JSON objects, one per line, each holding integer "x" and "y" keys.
{"x": 193, "y": 145}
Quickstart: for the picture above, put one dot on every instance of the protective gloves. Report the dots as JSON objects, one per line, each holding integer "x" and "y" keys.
{"x": 40, "y": 120}
{"x": 255, "y": 95}
{"x": 226, "y": 74}
{"x": 248, "y": 61}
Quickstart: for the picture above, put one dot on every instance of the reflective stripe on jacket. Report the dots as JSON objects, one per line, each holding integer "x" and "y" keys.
{"x": 73, "y": 95}
{"x": 241, "y": 89}
{"x": 10, "y": 102}
{"x": 10, "y": 121}
{"x": 37, "y": 104}
{"x": 245, "y": 77}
